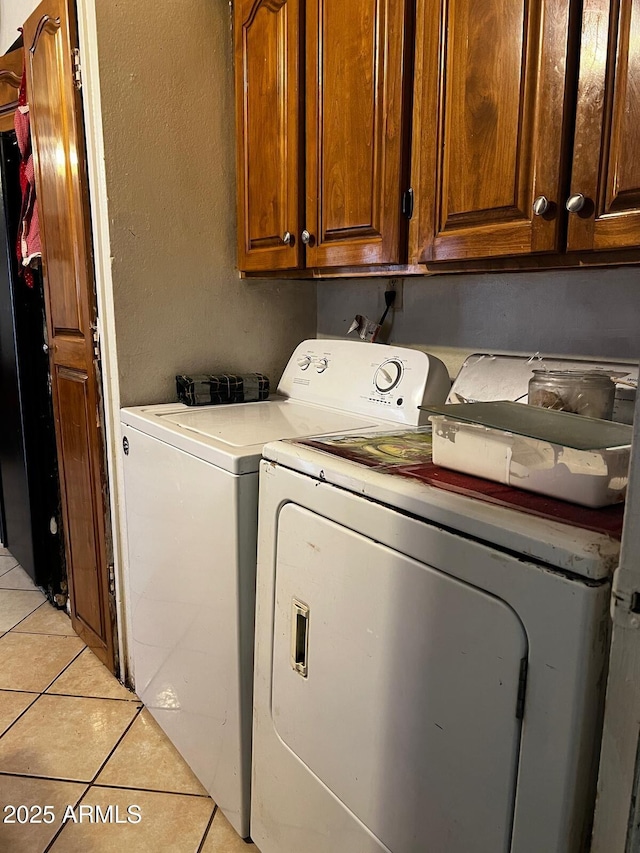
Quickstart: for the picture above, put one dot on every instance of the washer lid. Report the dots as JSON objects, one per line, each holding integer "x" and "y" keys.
{"x": 232, "y": 436}
{"x": 258, "y": 423}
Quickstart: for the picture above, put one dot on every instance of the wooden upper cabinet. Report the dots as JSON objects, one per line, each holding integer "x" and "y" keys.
{"x": 267, "y": 55}
{"x": 493, "y": 113}
{"x": 354, "y": 92}
{"x": 606, "y": 156}
{"x": 488, "y": 128}
{"x": 321, "y": 133}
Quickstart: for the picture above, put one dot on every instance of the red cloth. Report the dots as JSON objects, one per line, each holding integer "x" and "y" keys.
{"x": 29, "y": 248}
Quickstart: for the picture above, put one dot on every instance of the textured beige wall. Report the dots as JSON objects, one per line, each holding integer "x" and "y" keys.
{"x": 13, "y": 14}
{"x": 168, "y": 114}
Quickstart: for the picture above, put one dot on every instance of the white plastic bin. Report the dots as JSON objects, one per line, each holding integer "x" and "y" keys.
{"x": 593, "y": 478}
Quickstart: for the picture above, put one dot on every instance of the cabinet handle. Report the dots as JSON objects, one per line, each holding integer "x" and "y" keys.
{"x": 286, "y": 238}
{"x": 305, "y": 237}
{"x": 575, "y": 203}
{"x": 540, "y": 205}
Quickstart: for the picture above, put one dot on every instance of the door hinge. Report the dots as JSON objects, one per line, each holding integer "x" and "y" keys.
{"x": 522, "y": 688}
{"x": 111, "y": 599}
{"x": 77, "y": 69}
{"x": 96, "y": 343}
{"x": 407, "y": 203}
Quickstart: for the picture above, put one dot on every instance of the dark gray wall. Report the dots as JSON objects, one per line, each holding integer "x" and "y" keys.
{"x": 580, "y": 312}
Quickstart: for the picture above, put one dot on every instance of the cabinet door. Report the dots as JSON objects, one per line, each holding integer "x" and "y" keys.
{"x": 488, "y": 127}
{"x": 354, "y": 91}
{"x": 606, "y": 161}
{"x": 267, "y": 52}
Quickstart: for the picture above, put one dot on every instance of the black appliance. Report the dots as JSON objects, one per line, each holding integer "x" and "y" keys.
{"x": 31, "y": 522}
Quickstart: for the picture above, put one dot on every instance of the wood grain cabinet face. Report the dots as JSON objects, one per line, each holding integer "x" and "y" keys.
{"x": 267, "y": 54}
{"x": 354, "y": 131}
{"x": 606, "y": 154}
{"x": 498, "y": 86}
{"x": 330, "y": 74}
{"x": 488, "y": 127}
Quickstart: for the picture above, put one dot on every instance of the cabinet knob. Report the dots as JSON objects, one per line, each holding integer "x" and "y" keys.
{"x": 305, "y": 237}
{"x": 540, "y": 205}
{"x": 286, "y": 238}
{"x": 575, "y": 203}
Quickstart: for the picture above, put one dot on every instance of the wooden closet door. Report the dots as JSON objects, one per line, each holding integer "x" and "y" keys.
{"x": 355, "y": 78}
{"x": 606, "y": 160}
{"x": 268, "y": 133}
{"x": 58, "y": 146}
{"x": 489, "y": 127}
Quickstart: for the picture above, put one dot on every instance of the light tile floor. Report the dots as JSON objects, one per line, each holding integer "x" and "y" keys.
{"x": 72, "y": 736}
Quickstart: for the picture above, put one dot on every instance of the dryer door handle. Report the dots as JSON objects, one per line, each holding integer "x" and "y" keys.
{"x": 299, "y": 636}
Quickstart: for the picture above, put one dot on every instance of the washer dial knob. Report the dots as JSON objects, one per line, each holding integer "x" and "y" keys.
{"x": 322, "y": 364}
{"x": 304, "y": 362}
{"x": 388, "y": 375}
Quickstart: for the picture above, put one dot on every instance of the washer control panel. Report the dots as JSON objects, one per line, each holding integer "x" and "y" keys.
{"x": 385, "y": 382}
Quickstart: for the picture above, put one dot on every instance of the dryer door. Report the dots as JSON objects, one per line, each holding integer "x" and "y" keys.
{"x": 397, "y": 686}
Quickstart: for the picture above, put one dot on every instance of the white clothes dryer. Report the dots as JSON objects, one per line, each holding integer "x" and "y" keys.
{"x": 430, "y": 667}
{"x": 191, "y": 490}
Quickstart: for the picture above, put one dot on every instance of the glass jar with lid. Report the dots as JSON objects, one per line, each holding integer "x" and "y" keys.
{"x": 583, "y": 392}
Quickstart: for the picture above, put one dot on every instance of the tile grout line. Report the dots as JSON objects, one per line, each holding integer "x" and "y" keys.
{"x": 31, "y": 612}
{"x": 22, "y": 713}
{"x": 11, "y": 568}
{"x": 70, "y": 695}
{"x": 65, "y": 668}
{"x": 81, "y": 696}
{"x": 62, "y": 825}
{"x": 152, "y": 790}
{"x": 6, "y": 572}
{"x": 117, "y": 744}
{"x": 33, "y": 585}
{"x": 15, "y": 775}
{"x": 90, "y": 784}
{"x": 54, "y": 696}
{"x": 207, "y": 828}
{"x": 38, "y": 695}
{"x": 17, "y": 690}
{"x": 36, "y": 588}
{"x": 134, "y": 790}
{"x": 40, "y": 606}
{"x": 61, "y": 673}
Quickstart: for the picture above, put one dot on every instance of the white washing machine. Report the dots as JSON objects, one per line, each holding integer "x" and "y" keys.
{"x": 430, "y": 666}
{"x": 191, "y": 489}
